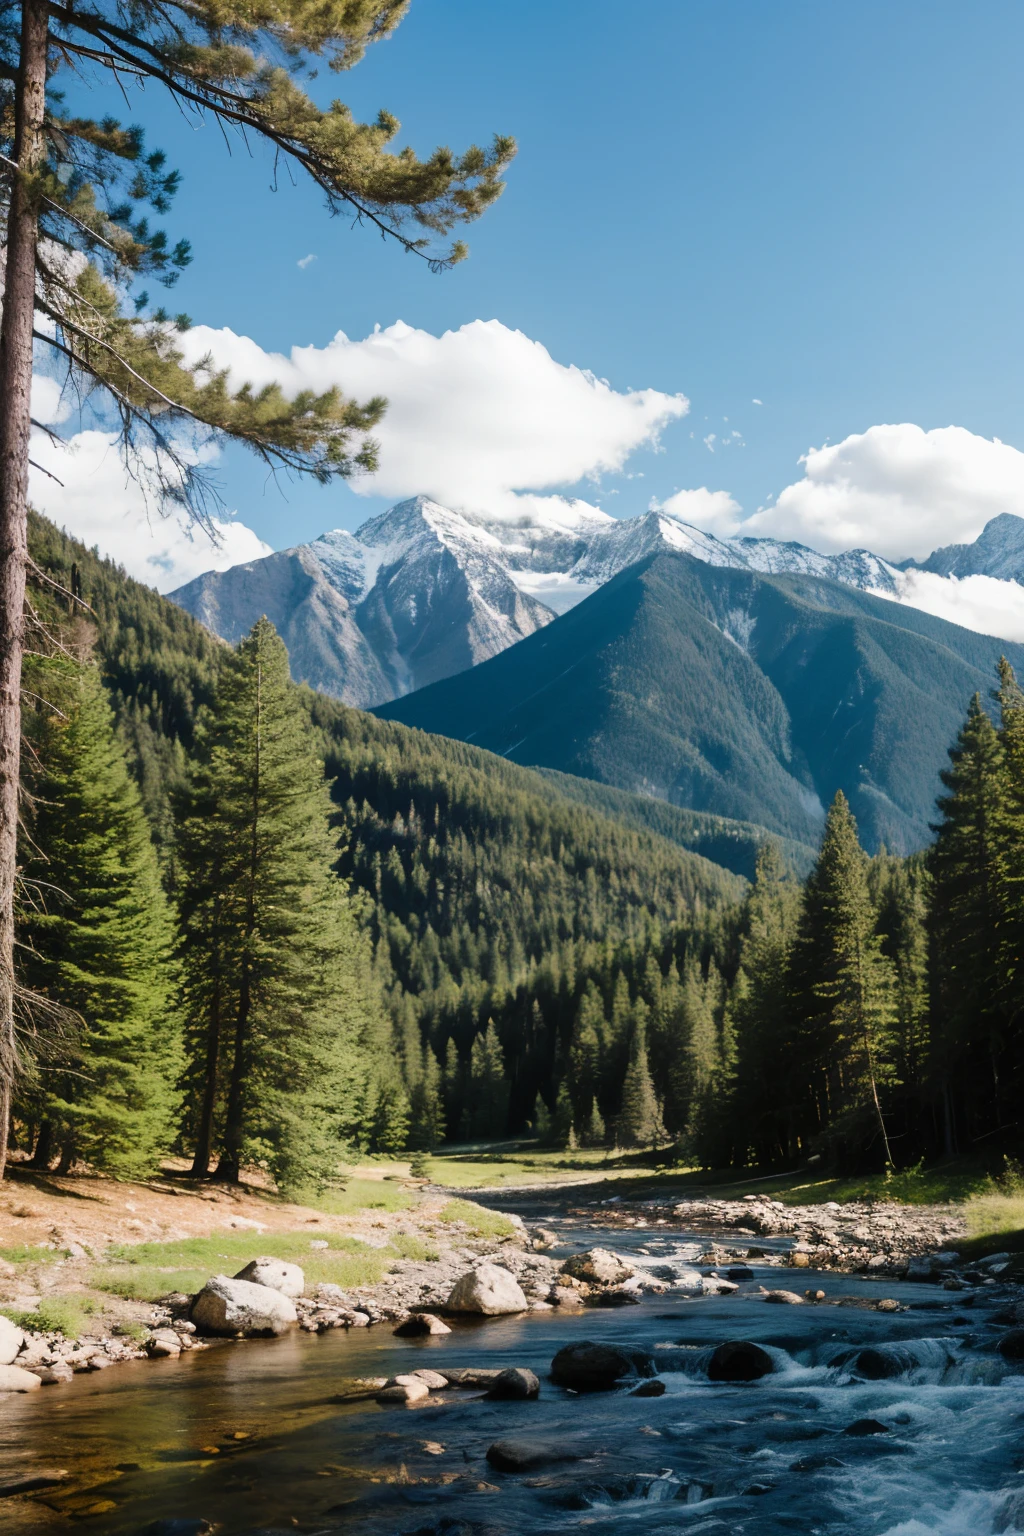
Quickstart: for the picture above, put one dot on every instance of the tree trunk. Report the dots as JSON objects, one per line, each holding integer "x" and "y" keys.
{"x": 44, "y": 1147}
{"x": 204, "y": 1135}
{"x": 15, "y": 427}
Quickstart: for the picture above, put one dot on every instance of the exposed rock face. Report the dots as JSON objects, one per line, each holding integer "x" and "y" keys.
{"x": 489, "y": 1291}
{"x": 590, "y": 1367}
{"x": 11, "y": 1340}
{"x": 231, "y": 1307}
{"x": 598, "y": 1266}
{"x": 276, "y": 1274}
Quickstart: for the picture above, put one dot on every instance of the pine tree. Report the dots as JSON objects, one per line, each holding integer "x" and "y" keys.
{"x": 96, "y": 938}
{"x": 967, "y": 1000}
{"x": 488, "y": 1087}
{"x": 639, "y": 1122}
{"x": 594, "y": 1128}
{"x": 541, "y": 1121}
{"x": 268, "y": 931}
{"x": 845, "y": 986}
{"x": 426, "y": 1126}
{"x": 585, "y": 1051}
{"x": 452, "y": 1080}
{"x": 562, "y": 1132}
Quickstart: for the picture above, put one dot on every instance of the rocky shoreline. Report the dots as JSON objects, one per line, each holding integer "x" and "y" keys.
{"x": 518, "y": 1273}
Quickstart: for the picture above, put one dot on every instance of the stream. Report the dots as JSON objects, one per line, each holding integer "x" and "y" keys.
{"x": 255, "y": 1437}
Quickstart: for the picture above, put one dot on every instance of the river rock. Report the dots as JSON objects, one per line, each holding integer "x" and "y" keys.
{"x": 931, "y": 1266}
{"x": 14, "y": 1379}
{"x": 598, "y": 1266}
{"x": 471, "y": 1378}
{"x": 655, "y": 1388}
{"x": 516, "y": 1383}
{"x": 563, "y": 1296}
{"x": 404, "y": 1389}
{"x": 784, "y": 1298}
{"x": 11, "y": 1340}
{"x": 542, "y": 1238}
{"x": 231, "y": 1307}
{"x": 434, "y": 1380}
{"x": 420, "y": 1325}
{"x": 53, "y": 1375}
{"x": 1011, "y": 1345}
{"x": 590, "y": 1367}
{"x": 163, "y": 1344}
{"x": 739, "y": 1360}
{"x": 31, "y": 1482}
{"x": 527, "y": 1454}
{"x": 276, "y": 1275}
{"x": 489, "y": 1291}
{"x": 867, "y": 1427}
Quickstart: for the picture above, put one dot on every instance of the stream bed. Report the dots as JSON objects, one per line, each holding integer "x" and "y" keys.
{"x": 255, "y": 1437}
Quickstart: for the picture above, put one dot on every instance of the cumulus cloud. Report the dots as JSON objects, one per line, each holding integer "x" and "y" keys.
{"x": 898, "y": 491}
{"x": 98, "y": 502}
{"x": 712, "y": 511}
{"x": 980, "y": 603}
{"x": 475, "y": 416}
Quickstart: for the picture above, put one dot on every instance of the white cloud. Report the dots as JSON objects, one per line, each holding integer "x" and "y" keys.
{"x": 898, "y": 491}
{"x": 713, "y": 511}
{"x": 980, "y": 603}
{"x": 475, "y": 416}
{"x": 102, "y": 505}
{"x": 306, "y": 261}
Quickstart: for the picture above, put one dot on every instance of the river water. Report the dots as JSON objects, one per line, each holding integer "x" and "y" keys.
{"x": 256, "y": 1436}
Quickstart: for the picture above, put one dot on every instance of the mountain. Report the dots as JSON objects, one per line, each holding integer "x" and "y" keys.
{"x": 421, "y": 593}
{"x": 732, "y": 692}
{"x": 998, "y": 551}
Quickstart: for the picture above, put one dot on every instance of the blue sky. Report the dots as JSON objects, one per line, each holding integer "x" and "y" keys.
{"x": 817, "y": 206}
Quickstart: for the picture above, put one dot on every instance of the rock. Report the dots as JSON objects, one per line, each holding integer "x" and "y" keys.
{"x": 53, "y": 1375}
{"x": 739, "y": 1360}
{"x": 232, "y": 1307}
{"x": 593, "y": 1367}
{"x": 11, "y": 1340}
{"x": 276, "y": 1275}
{"x": 541, "y": 1238}
{"x": 887, "y": 1304}
{"x": 800, "y": 1260}
{"x": 470, "y": 1378}
{"x": 814, "y": 1295}
{"x": 516, "y": 1383}
{"x": 14, "y": 1379}
{"x": 867, "y": 1427}
{"x": 434, "y": 1380}
{"x": 180, "y": 1527}
{"x": 739, "y": 1272}
{"x": 488, "y": 1291}
{"x": 420, "y": 1325}
{"x": 404, "y": 1389}
{"x": 598, "y": 1266}
{"x": 653, "y": 1388}
{"x": 714, "y": 1285}
{"x": 100, "y": 1362}
{"x": 562, "y": 1296}
{"x": 1011, "y": 1345}
{"x": 617, "y": 1298}
{"x": 11, "y": 1487}
{"x": 246, "y": 1224}
{"x": 164, "y": 1344}
{"x": 930, "y": 1266}
{"x": 525, "y": 1455}
{"x": 784, "y": 1298}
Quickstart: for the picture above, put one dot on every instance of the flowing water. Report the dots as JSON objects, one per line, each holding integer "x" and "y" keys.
{"x": 257, "y": 1436}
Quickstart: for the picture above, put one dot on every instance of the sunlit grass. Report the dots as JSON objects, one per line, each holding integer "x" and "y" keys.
{"x": 56, "y": 1314}
{"x": 482, "y": 1222}
{"x": 144, "y": 1282}
{"x": 33, "y": 1253}
{"x": 364, "y": 1195}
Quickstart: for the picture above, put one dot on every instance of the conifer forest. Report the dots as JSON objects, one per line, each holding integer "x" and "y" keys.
{"x": 256, "y": 927}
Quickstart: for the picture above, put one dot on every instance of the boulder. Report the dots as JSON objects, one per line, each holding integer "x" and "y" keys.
{"x": 434, "y": 1380}
{"x": 739, "y": 1360}
{"x": 800, "y": 1260}
{"x": 1011, "y": 1345}
{"x": 14, "y": 1379}
{"x": 867, "y": 1427}
{"x": 53, "y": 1375}
{"x": 237, "y": 1307}
{"x": 488, "y": 1291}
{"x": 931, "y": 1266}
{"x": 655, "y": 1388}
{"x": 542, "y": 1238}
{"x": 590, "y": 1367}
{"x": 11, "y": 1340}
{"x": 404, "y": 1389}
{"x": 784, "y": 1298}
{"x": 420, "y": 1325}
{"x": 473, "y": 1379}
{"x": 620, "y": 1297}
{"x": 163, "y": 1344}
{"x": 516, "y": 1383}
{"x": 598, "y": 1266}
{"x": 276, "y": 1275}
{"x": 527, "y": 1454}
{"x": 562, "y": 1296}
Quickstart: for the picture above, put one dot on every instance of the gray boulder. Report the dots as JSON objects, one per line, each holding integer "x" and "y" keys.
{"x": 231, "y": 1308}
{"x": 421, "y": 1325}
{"x": 276, "y": 1275}
{"x": 516, "y": 1384}
{"x": 11, "y": 1340}
{"x": 598, "y": 1266}
{"x": 739, "y": 1360}
{"x": 14, "y": 1379}
{"x": 526, "y": 1454}
{"x": 489, "y": 1291}
{"x": 590, "y": 1367}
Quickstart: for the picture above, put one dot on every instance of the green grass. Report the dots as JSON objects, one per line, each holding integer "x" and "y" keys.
{"x": 33, "y": 1253}
{"x": 364, "y": 1195}
{"x": 480, "y": 1221}
{"x": 144, "y": 1282}
{"x": 57, "y": 1314}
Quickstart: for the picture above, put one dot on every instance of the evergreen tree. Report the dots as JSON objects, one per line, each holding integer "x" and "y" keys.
{"x": 426, "y": 1128}
{"x": 585, "y": 1051}
{"x": 269, "y": 934}
{"x": 96, "y": 938}
{"x": 562, "y": 1132}
{"x": 541, "y": 1121}
{"x": 967, "y": 1000}
{"x": 845, "y": 987}
{"x": 594, "y": 1129}
{"x": 639, "y": 1123}
{"x": 488, "y": 1086}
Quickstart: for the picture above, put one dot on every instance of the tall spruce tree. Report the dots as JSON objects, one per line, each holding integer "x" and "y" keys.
{"x": 845, "y": 990}
{"x": 75, "y": 194}
{"x": 95, "y": 937}
{"x": 639, "y": 1122}
{"x": 967, "y": 1001}
{"x": 277, "y": 992}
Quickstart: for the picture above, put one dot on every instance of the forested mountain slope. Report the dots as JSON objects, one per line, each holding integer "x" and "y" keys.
{"x": 725, "y": 691}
